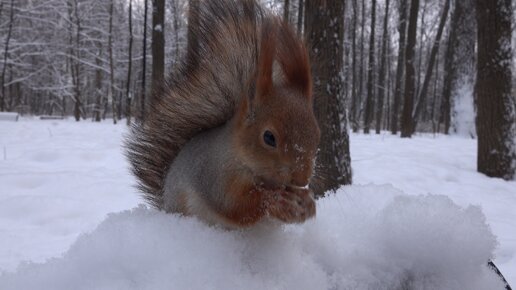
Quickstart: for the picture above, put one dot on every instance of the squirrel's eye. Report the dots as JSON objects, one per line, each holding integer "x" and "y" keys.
{"x": 269, "y": 139}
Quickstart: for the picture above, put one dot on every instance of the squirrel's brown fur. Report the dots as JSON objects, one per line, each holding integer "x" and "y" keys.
{"x": 246, "y": 58}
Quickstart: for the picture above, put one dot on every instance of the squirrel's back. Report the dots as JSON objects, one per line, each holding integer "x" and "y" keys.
{"x": 202, "y": 94}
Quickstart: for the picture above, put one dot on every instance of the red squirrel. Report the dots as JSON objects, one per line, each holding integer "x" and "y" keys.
{"x": 232, "y": 136}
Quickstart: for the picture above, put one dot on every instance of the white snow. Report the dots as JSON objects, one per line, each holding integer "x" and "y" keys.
{"x": 60, "y": 178}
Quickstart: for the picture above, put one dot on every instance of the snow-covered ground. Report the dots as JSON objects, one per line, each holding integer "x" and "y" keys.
{"x": 60, "y": 179}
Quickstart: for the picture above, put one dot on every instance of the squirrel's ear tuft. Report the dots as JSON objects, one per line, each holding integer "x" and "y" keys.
{"x": 264, "y": 81}
{"x": 294, "y": 60}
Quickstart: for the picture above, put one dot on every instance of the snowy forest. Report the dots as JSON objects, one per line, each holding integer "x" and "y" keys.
{"x": 406, "y": 66}
{"x": 416, "y": 105}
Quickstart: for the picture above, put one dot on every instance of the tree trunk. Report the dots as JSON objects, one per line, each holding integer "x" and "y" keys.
{"x": 449, "y": 75}
{"x": 369, "y": 110}
{"x": 419, "y": 55}
{"x": 98, "y": 85}
{"x": 410, "y": 78}
{"x": 357, "y": 113}
{"x": 300, "y": 16}
{"x": 111, "y": 93}
{"x": 144, "y": 62}
{"x": 176, "y": 29}
{"x": 428, "y": 76}
{"x": 324, "y": 26}
{"x": 286, "y": 10}
{"x": 402, "y": 29}
{"x": 128, "y": 95}
{"x": 6, "y": 54}
{"x": 383, "y": 68}
{"x": 354, "y": 95}
{"x": 496, "y": 119}
{"x": 192, "y": 49}
{"x": 75, "y": 64}
{"x": 435, "y": 126}
{"x": 158, "y": 44}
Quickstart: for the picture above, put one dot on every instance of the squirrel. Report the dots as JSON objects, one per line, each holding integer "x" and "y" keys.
{"x": 231, "y": 138}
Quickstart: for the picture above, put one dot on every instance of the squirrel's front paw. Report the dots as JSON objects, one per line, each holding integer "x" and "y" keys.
{"x": 291, "y": 205}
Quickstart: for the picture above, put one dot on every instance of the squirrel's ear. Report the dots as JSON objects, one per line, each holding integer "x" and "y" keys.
{"x": 264, "y": 81}
{"x": 294, "y": 60}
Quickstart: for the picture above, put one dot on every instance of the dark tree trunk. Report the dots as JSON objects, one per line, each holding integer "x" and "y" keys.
{"x": 428, "y": 76}
{"x": 76, "y": 56}
{"x": 357, "y": 112}
{"x": 111, "y": 93}
{"x": 354, "y": 95}
{"x": 144, "y": 62}
{"x": 449, "y": 75}
{"x": 193, "y": 43}
{"x": 496, "y": 119}
{"x": 369, "y": 109}
{"x": 6, "y": 54}
{"x": 286, "y": 10}
{"x": 128, "y": 96}
{"x": 98, "y": 86}
{"x": 176, "y": 28}
{"x": 435, "y": 97}
{"x": 158, "y": 43}
{"x": 300, "y": 16}
{"x": 419, "y": 55}
{"x": 383, "y": 69}
{"x": 410, "y": 77}
{"x": 402, "y": 28}
{"x": 324, "y": 26}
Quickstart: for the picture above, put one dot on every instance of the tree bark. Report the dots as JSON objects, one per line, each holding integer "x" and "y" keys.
{"x": 496, "y": 119}
{"x": 402, "y": 29}
{"x": 428, "y": 76}
{"x": 369, "y": 110}
{"x": 383, "y": 69}
{"x": 354, "y": 94}
{"x": 158, "y": 44}
{"x": 98, "y": 85}
{"x": 300, "y": 16}
{"x": 128, "y": 95}
{"x": 192, "y": 49}
{"x": 144, "y": 62}
{"x": 286, "y": 10}
{"x": 357, "y": 113}
{"x": 176, "y": 28}
{"x": 6, "y": 55}
{"x": 410, "y": 78}
{"x": 419, "y": 55}
{"x": 75, "y": 63}
{"x": 111, "y": 97}
{"x": 324, "y": 26}
{"x": 435, "y": 126}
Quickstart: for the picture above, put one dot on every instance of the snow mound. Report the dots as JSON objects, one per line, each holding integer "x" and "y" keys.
{"x": 364, "y": 237}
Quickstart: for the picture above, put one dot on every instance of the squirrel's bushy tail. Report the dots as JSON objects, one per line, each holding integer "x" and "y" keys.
{"x": 206, "y": 87}
{"x": 201, "y": 94}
